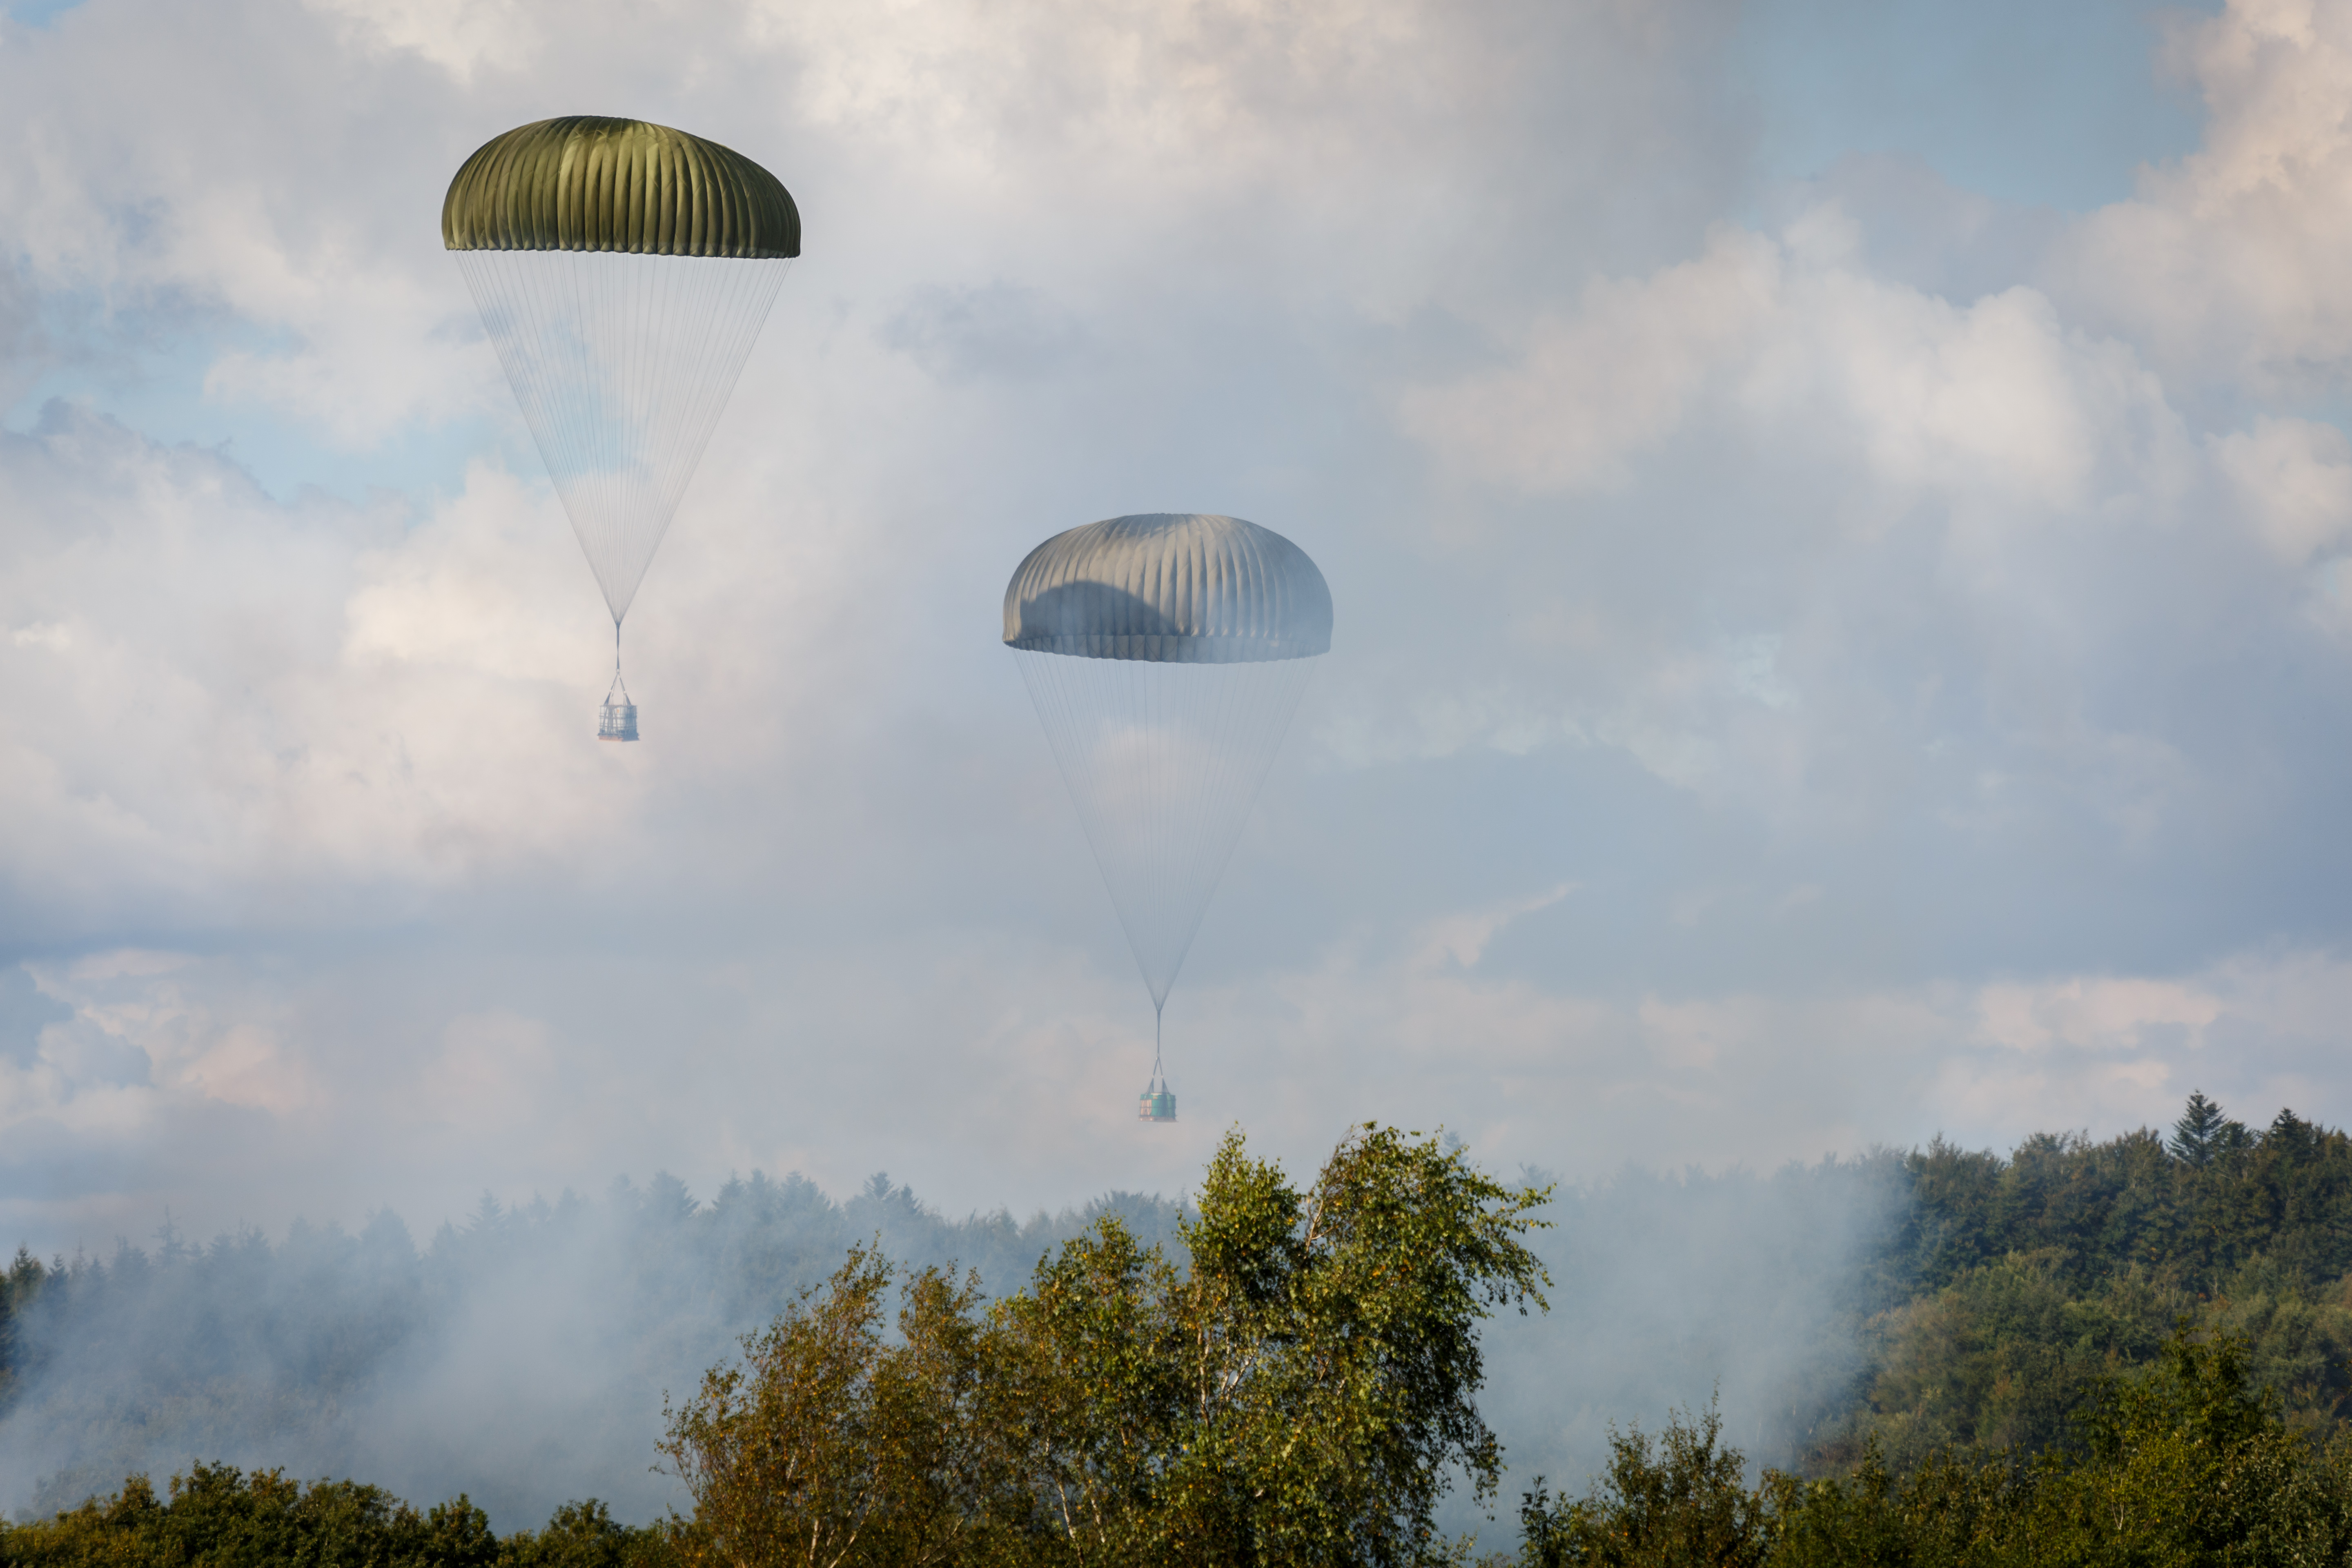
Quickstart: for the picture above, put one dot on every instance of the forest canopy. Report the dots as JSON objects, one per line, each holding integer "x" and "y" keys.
{"x": 2011, "y": 1332}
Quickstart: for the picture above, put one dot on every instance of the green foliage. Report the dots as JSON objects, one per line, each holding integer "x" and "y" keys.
{"x": 584, "y": 1535}
{"x": 2097, "y": 1209}
{"x": 2190, "y": 1467}
{"x": 2134, "y": 1351}
{"x": 1297, "y": 1394}
{"x": 1681, "y": 1501}
{"x": 2203, "y": 1134}
{"x": 1949, "y": 1512}
{"x": 20, "y": 1288}
{"x": 218, "y": 1517}
{"x": 1290, "y": 1374}
{"x": 2015, "y": 1288}
{"x": 2004, "y": 1357}
{"x": 1103, "y": 1391}
{"x": 828, "y": 1444}
{"x": 1329, "y": 1350}
{"x": 2190, "y": 1464}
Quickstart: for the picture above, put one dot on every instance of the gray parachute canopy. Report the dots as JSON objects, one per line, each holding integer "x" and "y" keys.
{"x": 1166, "y": 654}
{"x": 1169, "y": 587}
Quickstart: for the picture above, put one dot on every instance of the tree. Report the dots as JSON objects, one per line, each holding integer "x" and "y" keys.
{"x": 220, "y": 1517}
{"x": 2189, "y": 1467}
{"x": 2204, "y": 1134}
{"x": 218, "y": 1514}
{"x": 1297, "y": 1394}
{"x": 1102, "y": 1392}
{"x": 586, "y": 1535}
{"x": 1330, "y": 1357}
{"x": 1684, "y": 1501}
{"x": 2196, "y": 1133}
{"x": 2192, "y": 1465}
{"x": 828, "y": 1447}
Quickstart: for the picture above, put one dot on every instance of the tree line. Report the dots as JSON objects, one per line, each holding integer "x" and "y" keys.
{"x": 1300, "y": 1388}
{"x": 2072, "y": 1333}
{"x": 298, "y": 1347}
{"x": 218, "y": 1515}
{"x": 2187, "y": 1464}
{"x": 2011, "y": 1290}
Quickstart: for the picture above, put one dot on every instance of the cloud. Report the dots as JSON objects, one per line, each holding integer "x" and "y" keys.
{"x": 2224, "y": 265}
{"x": 1782, "y": 663}
{"x": 957, "y": 334}
{"x": 1608, "y": 384}
{"x": 514, "y": 1074}
{"x": 266, "y": 205}
{"x": 461, "y": 36}
{"x": 1996, "y": 399}
{"x": 208, "y": 726}
{"x": 2292, "y": 479}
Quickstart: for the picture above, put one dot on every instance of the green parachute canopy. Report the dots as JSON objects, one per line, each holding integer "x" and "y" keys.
{"x": 623, "y": 270}
{"x": 586, "y": 181}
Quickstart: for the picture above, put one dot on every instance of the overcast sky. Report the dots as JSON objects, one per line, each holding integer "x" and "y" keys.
{"x": 1839, "y": 512}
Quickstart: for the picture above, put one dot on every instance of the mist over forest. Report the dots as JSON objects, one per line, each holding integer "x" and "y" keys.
{"x": 523, "y": 1354}
{"x": 520, "y": 1354}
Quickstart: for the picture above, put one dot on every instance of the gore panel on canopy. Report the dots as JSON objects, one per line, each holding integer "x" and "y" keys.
{"x": 622, "y": 365}
{"x": 1169, "y": 587}
{"x": 1163, "y": 759}
{"x": 585, "y": 181}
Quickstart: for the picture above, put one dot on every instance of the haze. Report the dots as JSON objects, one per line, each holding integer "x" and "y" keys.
{"x": 1836, "y": 514}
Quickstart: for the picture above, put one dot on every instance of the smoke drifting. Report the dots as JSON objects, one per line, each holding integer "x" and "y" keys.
{"x": 1671, "y": 1291}
{"x": 523, "y": 1355}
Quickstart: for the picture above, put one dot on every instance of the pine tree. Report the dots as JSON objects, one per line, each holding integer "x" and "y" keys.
{"x": 2195, "y": 1135}
{"x": 2291, "y": 1133}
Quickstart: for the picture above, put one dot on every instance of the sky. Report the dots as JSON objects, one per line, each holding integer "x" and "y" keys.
{"x": 1838, "y": 516}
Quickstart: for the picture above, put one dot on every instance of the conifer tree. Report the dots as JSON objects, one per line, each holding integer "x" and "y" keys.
{"x": 2197, "y": 1136}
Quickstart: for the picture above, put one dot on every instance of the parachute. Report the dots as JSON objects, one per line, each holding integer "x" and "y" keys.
{"x": 622, "y": 271}
{"x": 1166, "y": 653}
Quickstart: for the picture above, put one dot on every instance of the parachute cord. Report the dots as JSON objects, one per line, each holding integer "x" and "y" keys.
{"x": 1159, "y": 1016}
{"x": 618, "y": 684}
